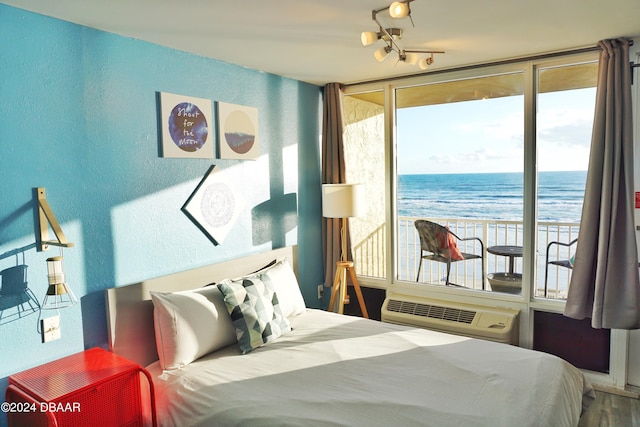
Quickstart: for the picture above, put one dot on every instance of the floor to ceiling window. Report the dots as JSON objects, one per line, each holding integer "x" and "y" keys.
{"x": 459, "y": 164}
{"x": 493, "y": 154}
{"x": 565, "y": 109}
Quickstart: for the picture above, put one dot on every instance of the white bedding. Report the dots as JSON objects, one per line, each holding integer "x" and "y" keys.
{"x": 335, "y": 370}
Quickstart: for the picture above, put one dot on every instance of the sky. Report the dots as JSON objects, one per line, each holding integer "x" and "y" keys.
{"x": 487, "y": 135}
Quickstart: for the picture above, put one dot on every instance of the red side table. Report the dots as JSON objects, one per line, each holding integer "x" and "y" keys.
{"x": 94, "y": 387}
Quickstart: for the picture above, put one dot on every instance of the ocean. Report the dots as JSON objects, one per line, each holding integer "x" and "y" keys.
{"x": 490, "y": 196}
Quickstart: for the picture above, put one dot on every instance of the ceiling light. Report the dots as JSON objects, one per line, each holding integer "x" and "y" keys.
{"x": 382, "y": 53}
{"x": 399, "y": 9}
{"x": 391, "y": 37}
{"x": 425, "y": 62}
{"x": 369, "y": 37}
{"x": 410, "y": 58}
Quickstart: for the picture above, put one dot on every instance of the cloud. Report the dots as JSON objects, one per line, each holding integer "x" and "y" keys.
{"x": 481, "y": 155}
{"x": 570, "y": 128}
{"x": 508, "y": 127}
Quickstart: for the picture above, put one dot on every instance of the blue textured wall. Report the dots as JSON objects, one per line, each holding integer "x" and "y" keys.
{"x": 78, "y": 116}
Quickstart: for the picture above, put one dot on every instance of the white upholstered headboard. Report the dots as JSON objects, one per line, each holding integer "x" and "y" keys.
{"x": 130, "y": 310}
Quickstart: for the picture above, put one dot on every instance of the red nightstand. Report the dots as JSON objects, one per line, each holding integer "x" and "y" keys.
{"x": 95, "y": 387}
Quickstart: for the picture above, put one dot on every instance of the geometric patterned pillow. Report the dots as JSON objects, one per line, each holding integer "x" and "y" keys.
{"x": 255, "y": 311}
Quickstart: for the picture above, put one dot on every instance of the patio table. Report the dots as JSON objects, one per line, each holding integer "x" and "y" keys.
{"x": 510, "y": 251}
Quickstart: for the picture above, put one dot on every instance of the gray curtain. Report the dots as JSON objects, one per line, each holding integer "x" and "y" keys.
{"x": 604, "y": 283}
{"x": 333, "y": 172}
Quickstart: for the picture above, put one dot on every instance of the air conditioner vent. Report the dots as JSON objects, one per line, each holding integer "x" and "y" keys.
{"x": 432, "y": 311}
{"x": 476, "y": 321}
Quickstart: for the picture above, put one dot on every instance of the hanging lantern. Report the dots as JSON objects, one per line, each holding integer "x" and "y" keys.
{"x": 59, "y": 294}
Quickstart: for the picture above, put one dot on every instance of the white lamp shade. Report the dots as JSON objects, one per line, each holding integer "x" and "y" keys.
{"x": 55, "y": 273}
{"x": 411, "y": 58}
{"x": 59, "y": 294}
{"x": 381, "y": 54}
{"x": 425, "y": 62}
{"x": 368, "y": 37}
{"x": 343, "y": 200}
{"x": 399, "y": 9}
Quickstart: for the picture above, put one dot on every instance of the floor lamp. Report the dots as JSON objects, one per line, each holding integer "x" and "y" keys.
{"x": 344, "y": 201}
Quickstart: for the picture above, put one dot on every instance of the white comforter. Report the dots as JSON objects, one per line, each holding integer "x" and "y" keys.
{"x": 335, "y": 370}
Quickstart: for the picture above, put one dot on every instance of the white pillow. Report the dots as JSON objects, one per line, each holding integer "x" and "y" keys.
{"x": 190, "y": 324}
{"x": 286, "y": 286}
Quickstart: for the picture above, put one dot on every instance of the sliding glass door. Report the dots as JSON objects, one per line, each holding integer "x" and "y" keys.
{"x": 494, "y": 154}
{"x": 460, "y": 164}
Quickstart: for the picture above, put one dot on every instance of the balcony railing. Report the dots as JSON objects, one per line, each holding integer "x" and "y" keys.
{"x": 369, "y": 254}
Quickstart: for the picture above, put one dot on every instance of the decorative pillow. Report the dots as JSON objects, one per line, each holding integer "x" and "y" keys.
{"x": 448, "y": 246}
{"x": 190, "y": 324}
{"x": 255, "y": 311}
{"x": 285, "y": 284}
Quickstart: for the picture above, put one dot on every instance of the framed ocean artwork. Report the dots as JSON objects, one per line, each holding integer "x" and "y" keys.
{"x": 214, "y": 205}
{"x": 238, "y": 131}
{"x": 186, "y": 124}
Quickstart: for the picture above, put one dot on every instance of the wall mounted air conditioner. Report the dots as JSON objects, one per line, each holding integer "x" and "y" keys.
{"x": 494, "y": 324}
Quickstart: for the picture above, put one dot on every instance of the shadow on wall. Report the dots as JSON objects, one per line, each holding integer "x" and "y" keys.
{"x": 16, "y": 299}
{"x": 274, "y": 217}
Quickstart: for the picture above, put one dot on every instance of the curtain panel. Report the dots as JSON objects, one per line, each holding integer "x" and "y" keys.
{"x": 604, "y": 284}
{"x": 333, "y": 172}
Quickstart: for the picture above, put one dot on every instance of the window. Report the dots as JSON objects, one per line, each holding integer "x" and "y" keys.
{"x": 365, "y": 163}
{"x": 460, "y": 164}
{"x": 565, "y": 110}
{"x": 497, "y": 153}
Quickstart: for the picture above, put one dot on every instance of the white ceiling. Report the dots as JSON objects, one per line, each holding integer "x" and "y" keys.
{"x": 318, "y": 41}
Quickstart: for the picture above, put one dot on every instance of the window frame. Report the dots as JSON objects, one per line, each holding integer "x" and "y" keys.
{"x": 527, "y": 300}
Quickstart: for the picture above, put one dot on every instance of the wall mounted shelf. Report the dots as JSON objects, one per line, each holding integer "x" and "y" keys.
{"x": 46, "y": 218}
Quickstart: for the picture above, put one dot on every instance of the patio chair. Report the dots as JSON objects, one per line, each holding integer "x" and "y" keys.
{"x": 438, "y": 243}
{"x": 566, "y": 263}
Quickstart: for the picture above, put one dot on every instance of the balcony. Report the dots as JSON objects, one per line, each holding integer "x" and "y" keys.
{"x": 369, "y": 254}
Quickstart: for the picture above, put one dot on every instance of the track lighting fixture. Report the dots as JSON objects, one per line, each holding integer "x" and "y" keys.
{"x": 390, "y": 36}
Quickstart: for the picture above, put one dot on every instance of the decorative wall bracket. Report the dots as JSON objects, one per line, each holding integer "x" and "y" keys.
{"x": 46, "y": 218}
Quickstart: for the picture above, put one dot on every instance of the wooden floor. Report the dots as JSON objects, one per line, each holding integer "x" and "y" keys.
{"x": 609, "y": 410}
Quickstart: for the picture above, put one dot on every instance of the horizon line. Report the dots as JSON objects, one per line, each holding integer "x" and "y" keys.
{"x": 482, "y": 173}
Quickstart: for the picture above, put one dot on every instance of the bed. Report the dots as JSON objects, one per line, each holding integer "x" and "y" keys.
{"x": 320, "y": 368}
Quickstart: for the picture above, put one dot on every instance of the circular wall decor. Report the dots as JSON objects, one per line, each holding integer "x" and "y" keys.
{"x": 214, "y": 205}
{"x": 188, "y": 127}
{"x": 240, "y": 133}
{"x": 218, "y": 204}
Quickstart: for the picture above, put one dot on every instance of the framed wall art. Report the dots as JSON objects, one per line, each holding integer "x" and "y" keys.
{"x": 187, "y": 126}
{"x": 238, "y": 131}
{"x": 214, "y": 206}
